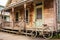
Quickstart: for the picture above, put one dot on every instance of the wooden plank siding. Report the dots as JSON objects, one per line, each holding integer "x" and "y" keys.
{"x": 50, "y": 13}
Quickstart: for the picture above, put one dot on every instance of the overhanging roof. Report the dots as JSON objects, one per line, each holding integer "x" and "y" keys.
{"x": 15, "y": 4}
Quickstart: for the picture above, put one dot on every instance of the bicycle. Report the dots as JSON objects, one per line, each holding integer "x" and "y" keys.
{"x": 47, "y": 31}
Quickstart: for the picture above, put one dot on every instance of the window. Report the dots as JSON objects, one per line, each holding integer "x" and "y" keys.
{"x": 39, "y": 13}
{"x": 2, "y": 17}
{"x": 16, "y": 15}
{"x": 6, "y": 18}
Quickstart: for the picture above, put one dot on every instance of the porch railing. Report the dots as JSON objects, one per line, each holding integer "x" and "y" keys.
{"x": 6, "y": 24}
{"x": 16, "y": 25}
{"x": 21, "y": 25}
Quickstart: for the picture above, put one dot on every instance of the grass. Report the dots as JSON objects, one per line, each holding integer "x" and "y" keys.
{"x": 56, "y": 36}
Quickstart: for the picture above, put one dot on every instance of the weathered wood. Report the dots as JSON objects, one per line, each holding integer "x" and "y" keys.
{"x": 13, "y": 16}
{"x": 25, "y": 16}
{"x": 49, "y": 15}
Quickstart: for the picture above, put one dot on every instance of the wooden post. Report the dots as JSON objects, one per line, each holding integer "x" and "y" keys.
{"x": 1, "y": 20}
{"x": 25, "y": 16}
{"x": 55, "y": 11}
{"x": 12, "y": 18}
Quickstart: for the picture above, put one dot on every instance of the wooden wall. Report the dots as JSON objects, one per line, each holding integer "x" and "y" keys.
{"x": 50, "y": 12}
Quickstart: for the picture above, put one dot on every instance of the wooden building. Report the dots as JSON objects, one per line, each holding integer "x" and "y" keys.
{"x": 32, "y": 13}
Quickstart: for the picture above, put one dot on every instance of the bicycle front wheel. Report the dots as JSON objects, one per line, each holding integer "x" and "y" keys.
{"x": 47, "y": 33}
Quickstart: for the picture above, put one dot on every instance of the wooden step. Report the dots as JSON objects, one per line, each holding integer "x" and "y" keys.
{"x": 8, "y": 31}
{"x": 26, "y": 33}
{"x": 15, "y": 31}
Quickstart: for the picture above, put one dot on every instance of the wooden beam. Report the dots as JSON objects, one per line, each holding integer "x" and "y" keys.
{"x": 25, "y": 16}
{"x": 55, "y": 13}
{"x": 1, "y": 20}
{"x": 13, "y": 17}
{"x": 2, "y": 13}
{"x": 25, "y": 9}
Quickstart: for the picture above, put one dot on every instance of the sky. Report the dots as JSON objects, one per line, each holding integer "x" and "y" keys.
{"x": 3, "y": 2}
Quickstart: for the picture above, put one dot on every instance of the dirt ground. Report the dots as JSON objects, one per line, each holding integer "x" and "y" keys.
{"x": 9, "y": 36}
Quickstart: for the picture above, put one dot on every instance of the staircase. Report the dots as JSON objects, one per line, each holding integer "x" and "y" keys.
{"x": 27, "y": 32}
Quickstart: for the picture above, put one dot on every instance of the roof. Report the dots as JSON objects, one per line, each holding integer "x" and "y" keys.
{"x": 15, "y": 4}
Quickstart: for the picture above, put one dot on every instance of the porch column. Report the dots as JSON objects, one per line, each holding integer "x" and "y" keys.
{"x": 25, "y": 15}
{"x": 12, "y": 17}
{"x": 1, "y": 23}
{"x": 55, "y": 11}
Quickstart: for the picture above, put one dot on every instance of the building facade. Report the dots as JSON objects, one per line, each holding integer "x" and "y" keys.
{"x": 32, "y": 13}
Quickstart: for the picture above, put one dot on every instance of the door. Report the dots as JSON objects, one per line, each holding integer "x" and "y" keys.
{"x": 39, "y": 16}
{"x": 27, "y": 15}
{"x": 16, "y": 17}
